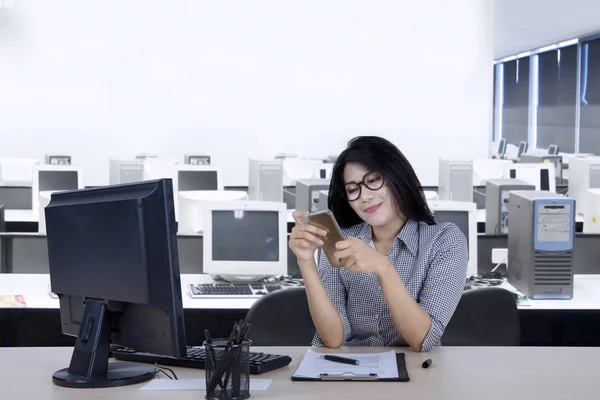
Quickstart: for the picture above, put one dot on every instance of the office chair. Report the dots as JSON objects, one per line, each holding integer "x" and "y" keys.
{"x": 281, "y": 318}
{"x": 484, "y": 317}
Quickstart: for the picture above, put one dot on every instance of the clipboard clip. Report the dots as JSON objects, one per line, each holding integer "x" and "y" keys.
{"x": 348, "y": 376}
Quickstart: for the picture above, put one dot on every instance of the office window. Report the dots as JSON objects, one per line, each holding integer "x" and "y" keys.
{"x": 557, "y": 96}
{"x": 589, "y": 114}
{"x": 515, "y": 103}
{"x": 496, "y": 114}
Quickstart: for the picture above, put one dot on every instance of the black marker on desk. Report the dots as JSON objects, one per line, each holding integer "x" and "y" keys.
{"x": 342, "y": 360}
{"x": 427, "y": 363}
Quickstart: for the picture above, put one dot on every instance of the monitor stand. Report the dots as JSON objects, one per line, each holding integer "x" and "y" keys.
{"x": 89, "y": 366}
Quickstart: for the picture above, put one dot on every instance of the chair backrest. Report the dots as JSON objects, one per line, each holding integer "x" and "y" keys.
{"x": 281, "y": 318}
{"x": 484, "y": 317}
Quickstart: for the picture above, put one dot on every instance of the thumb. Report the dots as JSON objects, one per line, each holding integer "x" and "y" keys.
{"x": 299, "y": 217}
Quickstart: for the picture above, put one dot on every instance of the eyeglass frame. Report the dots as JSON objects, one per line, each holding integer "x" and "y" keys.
{"x": 363, "y": 183}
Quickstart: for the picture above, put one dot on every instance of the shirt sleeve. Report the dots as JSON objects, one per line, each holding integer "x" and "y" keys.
{"x": 444, "y": 283}
{"x": 332, "y": 282}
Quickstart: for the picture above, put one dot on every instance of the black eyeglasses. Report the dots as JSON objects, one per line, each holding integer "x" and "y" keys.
{"x": 372, "y": 180}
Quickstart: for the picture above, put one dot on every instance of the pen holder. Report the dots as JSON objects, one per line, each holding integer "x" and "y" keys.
{"x": 227, "y": 369}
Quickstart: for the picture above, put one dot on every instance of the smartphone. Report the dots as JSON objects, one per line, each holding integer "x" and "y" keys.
{"x": 326, "y": 221}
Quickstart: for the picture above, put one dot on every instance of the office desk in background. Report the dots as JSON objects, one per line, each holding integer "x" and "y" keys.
{"x": 573, "y": 322}
{"x": 36, "y": 290}
{"x": 457, "y": 373}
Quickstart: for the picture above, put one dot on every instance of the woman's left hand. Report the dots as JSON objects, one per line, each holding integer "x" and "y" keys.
{"x": 358, "y": 256}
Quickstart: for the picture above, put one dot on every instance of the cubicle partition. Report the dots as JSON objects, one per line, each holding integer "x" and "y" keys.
{"x": 27, "y": 253}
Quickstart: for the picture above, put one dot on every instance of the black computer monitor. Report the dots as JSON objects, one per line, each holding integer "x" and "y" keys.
{"x": 114, "y": 265}
{"x": 522, "y": 148}
{"x": 553, "y": 150}
{"x": 502, "y": 148}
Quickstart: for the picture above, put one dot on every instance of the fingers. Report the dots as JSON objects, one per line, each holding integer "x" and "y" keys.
{"x": 309, "y": 237}
{"x": 343, "y": 254}
{"x": 344, "y": 244}
{"x": 299, "y": 217}
{"x": 304, "y": 244}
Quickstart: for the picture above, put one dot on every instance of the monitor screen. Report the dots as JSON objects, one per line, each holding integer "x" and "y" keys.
{"x": 245, "y": 235}
{"x": 553, "y": 150}
{"x": 198, "y": 180}
{"x": 58, "y": 180}
{"x": 502, "y": 147}
{"x": 459, "y": 218}
{"x": 522, "y": 148}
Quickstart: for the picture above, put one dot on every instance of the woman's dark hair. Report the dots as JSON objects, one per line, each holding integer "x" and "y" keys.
{"x": 378, "y": 155}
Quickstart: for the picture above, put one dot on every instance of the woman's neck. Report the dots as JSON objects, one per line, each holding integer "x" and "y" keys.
{"x": 387, "y": 233}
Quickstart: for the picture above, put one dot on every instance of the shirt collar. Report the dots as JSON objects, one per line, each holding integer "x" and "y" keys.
{"x": 408, "y": 235}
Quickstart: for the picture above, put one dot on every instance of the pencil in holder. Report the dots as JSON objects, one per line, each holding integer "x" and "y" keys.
{"x": 227, "y": 369}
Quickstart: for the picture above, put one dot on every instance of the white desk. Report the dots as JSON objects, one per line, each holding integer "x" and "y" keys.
{"x": 586, "y": 296}
{"x": 457, "y": 373}
{"x": 20, "y": 216}
{"x": 35, "y": 289}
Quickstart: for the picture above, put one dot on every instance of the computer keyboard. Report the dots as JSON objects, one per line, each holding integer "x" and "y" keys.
{"x": 220, "y": 290}
{"x": 259, "y": 362}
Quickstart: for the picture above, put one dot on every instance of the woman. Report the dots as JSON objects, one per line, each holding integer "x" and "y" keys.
{"x": 401, "y": 274}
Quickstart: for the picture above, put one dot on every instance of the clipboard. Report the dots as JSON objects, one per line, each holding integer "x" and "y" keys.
{"x": 350, "y": 377}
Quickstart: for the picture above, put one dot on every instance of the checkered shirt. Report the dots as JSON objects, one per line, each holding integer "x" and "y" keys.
{"x": 431, "y": 261}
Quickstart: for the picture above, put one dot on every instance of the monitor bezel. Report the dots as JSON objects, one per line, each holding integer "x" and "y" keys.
{"x": 471, "y": 209}
{"x": 244, "y": 268}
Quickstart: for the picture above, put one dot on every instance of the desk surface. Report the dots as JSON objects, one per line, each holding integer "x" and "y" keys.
{"x": 457, "y": 373}
{"x": 36, "y": 290}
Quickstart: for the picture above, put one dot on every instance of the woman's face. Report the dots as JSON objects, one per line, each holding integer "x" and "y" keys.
{"x": 374, "y": 206}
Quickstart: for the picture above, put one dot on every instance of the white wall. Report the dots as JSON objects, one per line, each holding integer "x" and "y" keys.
{"x": 245, "y": 78}
{"x": 522, "y": 25}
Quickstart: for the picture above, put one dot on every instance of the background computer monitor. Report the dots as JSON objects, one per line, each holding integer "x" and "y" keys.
{"x": 17, "y": 171}
{"x": 159, "y": 168}
{"x": 502, "y": 148}
{"x": 542, "y": 175}
{"x": 522, "y": 148}
{"x": 197, "y": 177}
{"x": 114, "y": 264}
{"x": 125, "y": 171}
{"x": 245, "y": 240}
{"x": 464, "y": 215}
{"x": 553, "y": 149}
{"x": 196, "y": 159}
{"x": 485, "y": 169}
{"x": 57, "y": 159}
{"x": 54, "y": 177}
{"x": 584, "y": 174}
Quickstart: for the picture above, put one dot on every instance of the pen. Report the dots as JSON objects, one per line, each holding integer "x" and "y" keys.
{"x": 342, "y": 360}
{"x": 427, "y": 363}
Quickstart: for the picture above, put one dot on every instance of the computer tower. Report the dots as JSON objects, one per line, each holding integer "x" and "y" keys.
{"x": 496, "y": 203}
{"x": 265, "y": 181}
{"x": 307, "y": 193}
{"x": 455, "y": 180}
{"x": 540, "y": 244}
{"x": 591, "y": 214}
{"x": 323, "y": 200}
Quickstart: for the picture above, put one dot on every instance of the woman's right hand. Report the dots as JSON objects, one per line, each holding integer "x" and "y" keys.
{"x": 305, "y": 238}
